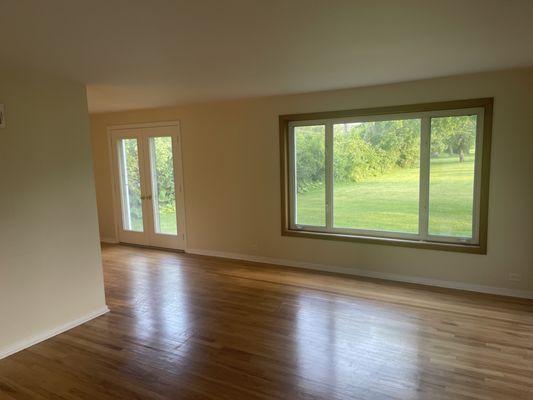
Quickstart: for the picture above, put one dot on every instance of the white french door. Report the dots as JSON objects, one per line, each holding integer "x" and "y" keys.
{"x": 147, "y": 169}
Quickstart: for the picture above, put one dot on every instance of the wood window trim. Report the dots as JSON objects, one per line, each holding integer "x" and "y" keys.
{"x": 479, "y": 248}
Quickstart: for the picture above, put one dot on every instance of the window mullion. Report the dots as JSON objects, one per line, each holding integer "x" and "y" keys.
{"x": 425, "y": 153}
{"x": 329, "y": 175}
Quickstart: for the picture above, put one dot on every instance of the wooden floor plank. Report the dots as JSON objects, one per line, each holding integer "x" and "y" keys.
{"x": 191, "y": 327}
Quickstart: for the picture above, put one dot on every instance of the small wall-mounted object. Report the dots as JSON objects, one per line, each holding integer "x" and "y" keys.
{"x": 2, "y": 116}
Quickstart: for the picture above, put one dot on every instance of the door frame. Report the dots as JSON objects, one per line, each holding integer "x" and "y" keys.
{"x": 115, "y": 130}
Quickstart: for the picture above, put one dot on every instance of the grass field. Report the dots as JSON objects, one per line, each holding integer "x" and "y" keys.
{"x": 167, "y": 221}
{"x": 390, "y": 202}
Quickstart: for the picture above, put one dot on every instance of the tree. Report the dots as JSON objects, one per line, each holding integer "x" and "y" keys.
{"x": 367, "y": 149}
{"x": 456, "y": 135}
{"x": 370, "y": 149}
{"x": 163, "y": 176}
{"x": 310, "y": 157}
{"x": 133, "y": 180}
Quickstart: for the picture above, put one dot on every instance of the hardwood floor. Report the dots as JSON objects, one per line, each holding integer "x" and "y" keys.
{"x": 189, "y": 327}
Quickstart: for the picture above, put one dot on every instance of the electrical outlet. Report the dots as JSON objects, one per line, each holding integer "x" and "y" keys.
{"x": 2, "y": 116}
{"x": 254, "y": 246}
{"x": 514, "y": 277}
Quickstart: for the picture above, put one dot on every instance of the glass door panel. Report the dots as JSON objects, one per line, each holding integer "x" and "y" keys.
{"x": 163, "y": 185}
{"x": 130, "y": 185}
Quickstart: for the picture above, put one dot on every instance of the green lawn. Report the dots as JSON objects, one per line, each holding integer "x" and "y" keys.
{"x": 167, "y": 221}
{"x": 390, "y": 202}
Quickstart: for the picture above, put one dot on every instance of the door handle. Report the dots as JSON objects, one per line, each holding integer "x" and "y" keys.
{"x": 148, "y": 197}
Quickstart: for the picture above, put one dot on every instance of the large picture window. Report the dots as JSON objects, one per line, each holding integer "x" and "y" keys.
{"x": 409, "y": 175}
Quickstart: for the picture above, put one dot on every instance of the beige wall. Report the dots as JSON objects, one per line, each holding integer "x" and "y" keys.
{"x": 50, "y": 268}
{"x": 231, "y": 165}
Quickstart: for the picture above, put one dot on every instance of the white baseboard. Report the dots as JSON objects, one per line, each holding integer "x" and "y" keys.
{"x": 369, "y": 274}
{"x": 108, "y": 240}
{"x": 24, "y": 344}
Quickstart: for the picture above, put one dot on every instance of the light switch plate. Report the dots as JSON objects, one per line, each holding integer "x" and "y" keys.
{"x": 2, "y": 116}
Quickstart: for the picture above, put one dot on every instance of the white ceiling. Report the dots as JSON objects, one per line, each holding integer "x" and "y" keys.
{"x": 150, "y": 53}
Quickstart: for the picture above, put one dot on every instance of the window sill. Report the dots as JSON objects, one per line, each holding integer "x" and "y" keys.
{"x": 419, "y": 244}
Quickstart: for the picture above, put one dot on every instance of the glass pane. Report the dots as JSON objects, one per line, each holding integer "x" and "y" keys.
{"x": 376, "y": 169}
{"x": 310, "y": 157}
{"x": 163, "y": 191}
{"x": 451, "y": 184}
{"x": 130, "y": 185}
